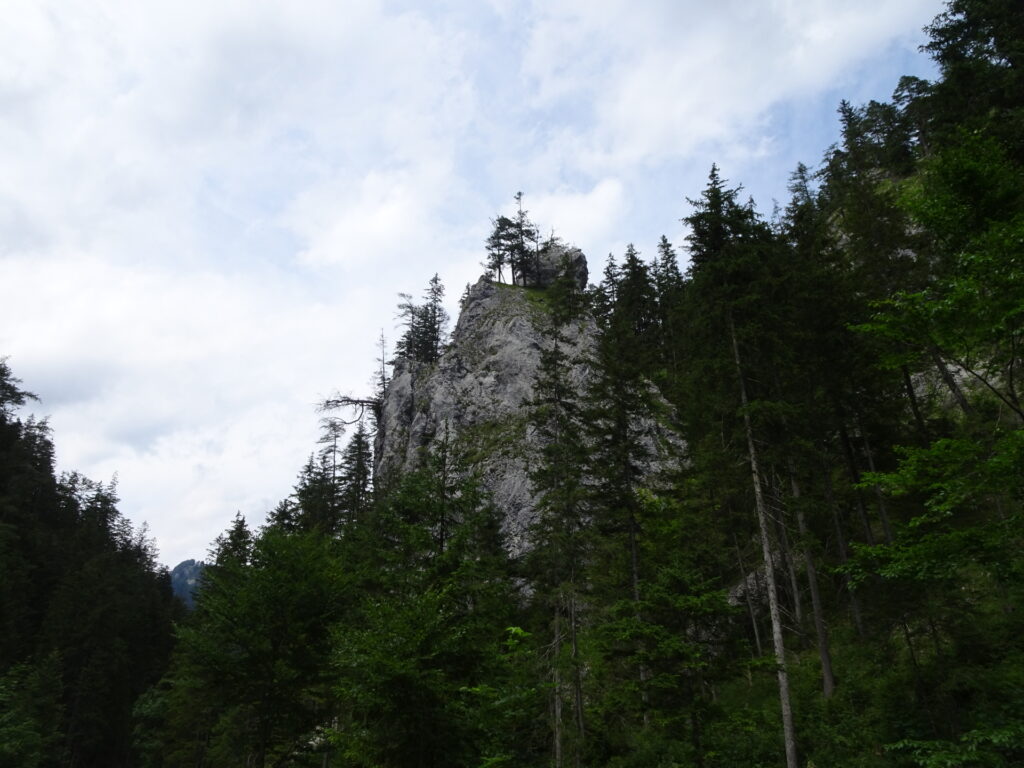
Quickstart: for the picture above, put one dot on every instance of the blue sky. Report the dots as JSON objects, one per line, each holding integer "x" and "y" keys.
{"x": 207, "y": 208}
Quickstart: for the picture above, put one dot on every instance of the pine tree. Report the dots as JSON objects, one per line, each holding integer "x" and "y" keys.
{"x": 728, "y": 248}
{"x": 668, "y": 286}
{"x": 251, "y": 671}
{"x": 567, "y": 302}
{"x": 356, "y": 476}
{"x": 85, "y": 611}
{"x": 422, "y": 663}
{"x": 513, "y": 242}
{"x": 618, "y": 423}
{"x": 561, "y": 542}
{"x": 425, "y": 325}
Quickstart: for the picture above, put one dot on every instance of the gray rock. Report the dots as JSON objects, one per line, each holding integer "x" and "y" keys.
{"x": 185, "y": 580}
{"x": 477, "y": 391}
{"x": 550, "y": 264}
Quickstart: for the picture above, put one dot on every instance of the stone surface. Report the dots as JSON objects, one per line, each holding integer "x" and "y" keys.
{"x": 550, "y": 264}
{"x": 478, "y": 391}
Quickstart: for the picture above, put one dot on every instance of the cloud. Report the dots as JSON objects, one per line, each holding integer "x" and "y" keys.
{"x": 665, "y": 78}
{"x": 588, "y": 218}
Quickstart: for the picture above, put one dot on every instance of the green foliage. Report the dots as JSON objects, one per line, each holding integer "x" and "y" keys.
{"x": 255, "y": 651}
{"x": 514, "y": 243}
{"x": 999, "y": 746}
{"x": 85, "y": 612}
{"x": 426, "y": 325}
{"x": 30, "y": 715}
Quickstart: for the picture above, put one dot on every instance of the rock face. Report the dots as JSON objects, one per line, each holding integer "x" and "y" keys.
{"x": 550, "y": 265}
{"x": 185, "y": 580}
{"x": 477, "y": 391}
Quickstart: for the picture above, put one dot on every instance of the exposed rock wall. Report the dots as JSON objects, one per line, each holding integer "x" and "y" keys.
{"x": 478, "y": 390}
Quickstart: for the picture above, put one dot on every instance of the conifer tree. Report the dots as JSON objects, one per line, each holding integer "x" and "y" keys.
{"x": 356, "y": 476}
{"x": 513, "y": 242}
{"x": 668, "y": 285}
{"x": 422, "y": 667}
{"x": 561, "y": 541}
{"x": 567, "y": 301}
{"x": 728, "y": 248}
{"x": 85, "y": 610}
{"x": 425, "y": 324}
{"x": 618, "y": 411}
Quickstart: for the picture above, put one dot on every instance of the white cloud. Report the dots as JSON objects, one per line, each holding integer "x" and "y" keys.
{"x": 588, "y": 218}
{"x": 664, "y": 78}
{"x": 208, "y": 381}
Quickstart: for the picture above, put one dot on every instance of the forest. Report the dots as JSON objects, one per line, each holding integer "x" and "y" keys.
{"x": 828, "y": 572}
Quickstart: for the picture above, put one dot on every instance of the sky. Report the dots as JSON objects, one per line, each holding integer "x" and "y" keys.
{"x": 208, "y": 207}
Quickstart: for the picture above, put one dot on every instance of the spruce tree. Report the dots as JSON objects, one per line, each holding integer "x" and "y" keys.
{"x": 728, "y": 252}
{"x": 561, "y": 541}
{"x": 356, "y": 476}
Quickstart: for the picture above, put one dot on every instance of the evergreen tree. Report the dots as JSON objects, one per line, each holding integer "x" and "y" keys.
{"x": 513, "y": 242}
{"x": 668, "y": 286}
{"x": 425, "y": 672}
{"x": 356, "y": 478}
{"x": 561, "y": 544}
{"x": 567, "y": 301}
{"x": 728, "y": 250}
{"x": 425, "y": 325}
{"x": 251, "y": 671}
{"x": 85, "y": 611}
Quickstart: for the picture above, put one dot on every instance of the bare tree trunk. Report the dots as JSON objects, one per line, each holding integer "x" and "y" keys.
{"x": 883, "y": 513}
{"x": 915, "y": 408}
{"x": 634, "y": 564}
{"x": 788, "y": 732}
{"x": 828, "y": 684}
{"x": 919, "y": 684}
{"x": 577, "y": 682}
{"x": 851, "y": 467}
{"x": 787, "y": 558}
{"x": 844, "y": 553}
{"x": 746, "y": 598}
{"x": 950, "y": 381}
{"x": 556, "y": 679}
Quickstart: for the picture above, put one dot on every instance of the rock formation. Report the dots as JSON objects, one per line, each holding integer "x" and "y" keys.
{"x": 478, "y": 389}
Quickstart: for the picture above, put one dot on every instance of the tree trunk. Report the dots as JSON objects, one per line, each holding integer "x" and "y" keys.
{"x": 788, "y": 732}
{"x": 577, "y": 682}
{"x": 634, "y": 565}
{"x": 915, "y": 408}
{"x": 883, "y": 513}
{"x": 821, "y": 632}
{"x": 844, "y": 553}
{"x": 851, "y": 467}
{"x": 950, "y": 381}
{"x": 746, "y": 598}
{"x": 787, "y": 558}
{"x": 556, "y": 679}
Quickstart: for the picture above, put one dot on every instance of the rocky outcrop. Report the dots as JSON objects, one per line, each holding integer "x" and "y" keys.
{"x": 185, "y": 580}
{"x": 551, "y": 260}
{"x": 477, "y": 392}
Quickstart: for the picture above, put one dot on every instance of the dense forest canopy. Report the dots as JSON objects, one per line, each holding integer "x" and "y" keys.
{"x": 825, "y": 568}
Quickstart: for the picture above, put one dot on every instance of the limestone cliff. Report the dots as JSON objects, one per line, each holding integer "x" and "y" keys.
{"x": 477, "y": 391}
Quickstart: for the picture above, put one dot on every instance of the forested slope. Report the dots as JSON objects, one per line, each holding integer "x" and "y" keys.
{"x": 85, "y": 610}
